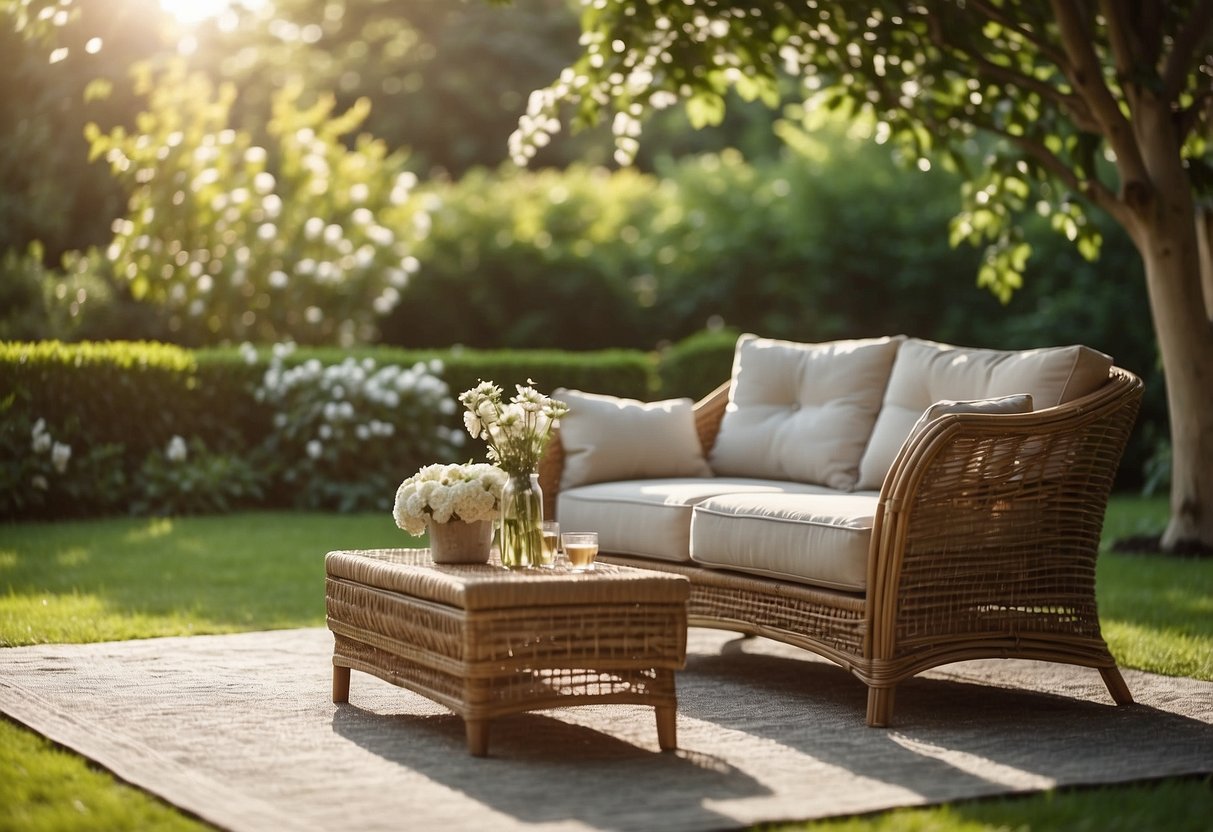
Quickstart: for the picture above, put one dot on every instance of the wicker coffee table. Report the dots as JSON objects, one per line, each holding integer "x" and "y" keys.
{"x": 485, "y": 641}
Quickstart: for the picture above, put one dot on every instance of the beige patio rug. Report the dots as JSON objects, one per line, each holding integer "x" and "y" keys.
{"x": 240, "y": 730}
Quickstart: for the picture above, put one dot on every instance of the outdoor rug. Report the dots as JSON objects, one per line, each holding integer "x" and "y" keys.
{"x": 240, "y": 730}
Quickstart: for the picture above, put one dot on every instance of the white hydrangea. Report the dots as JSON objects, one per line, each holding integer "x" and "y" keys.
{"x": 445, "y": 493}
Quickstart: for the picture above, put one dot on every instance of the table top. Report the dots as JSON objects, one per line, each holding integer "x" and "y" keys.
{"x": 411, "y": 572}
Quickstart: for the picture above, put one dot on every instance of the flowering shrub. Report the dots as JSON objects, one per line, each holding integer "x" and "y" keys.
{"x": 517, "y": 433}
{"x": 44, "y": 475}
{"x": 310, "y": 238}
{"x": 443, "y": 493}
{"x": 343, "y": 432}
{"x": 187, "y": 478}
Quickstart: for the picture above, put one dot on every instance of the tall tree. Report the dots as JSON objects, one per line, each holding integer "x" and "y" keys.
{"x": 1087, "y": 103}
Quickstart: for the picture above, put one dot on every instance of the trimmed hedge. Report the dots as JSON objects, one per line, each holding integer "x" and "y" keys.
{"x": 88, "y": 428}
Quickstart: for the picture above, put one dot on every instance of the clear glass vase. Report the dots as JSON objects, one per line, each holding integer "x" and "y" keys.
{"x": 521, "y": 541}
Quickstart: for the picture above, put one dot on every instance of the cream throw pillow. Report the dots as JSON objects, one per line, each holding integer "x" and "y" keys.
{"x": 802, "y": 412}
{"x": 926, "y": 372}
{"x": 606, "y": 439}
{"x": 1018, "y": 403}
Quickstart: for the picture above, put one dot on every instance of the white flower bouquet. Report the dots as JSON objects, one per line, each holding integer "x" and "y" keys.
{"x": 443, "y": 493}
{"x": 516, "y": 432}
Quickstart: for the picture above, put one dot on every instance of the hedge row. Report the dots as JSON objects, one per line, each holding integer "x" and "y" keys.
{"x": 148, "y": 428}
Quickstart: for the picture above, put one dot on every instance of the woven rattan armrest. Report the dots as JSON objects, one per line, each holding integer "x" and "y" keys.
{"x": 989, "y": 529}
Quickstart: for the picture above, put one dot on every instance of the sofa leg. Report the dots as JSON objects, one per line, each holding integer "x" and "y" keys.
{"x": 1116, "y": 685}
{"x": 880, "y": 706}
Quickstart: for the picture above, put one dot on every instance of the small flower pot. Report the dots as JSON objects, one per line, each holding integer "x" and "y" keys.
{"x": 460, "y": 542}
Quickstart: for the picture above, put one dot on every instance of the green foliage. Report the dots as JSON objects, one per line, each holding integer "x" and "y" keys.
{"x": 1001, "y": 94}
{"x": 188, "y": 478}
{"x": 112, "y": 404}
{"x": 834, "y": 241}
{"x": 315, "y": 249}
{"x": 56, "y": 471}
{"x": 697, "y": 365}
{"x": 794, "y": 248}
{"x": 21, "y": 280}
{"x": 532, "y": 260}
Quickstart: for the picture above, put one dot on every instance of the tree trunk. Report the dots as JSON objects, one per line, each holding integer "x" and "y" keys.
{"x": 1170, "y": 251}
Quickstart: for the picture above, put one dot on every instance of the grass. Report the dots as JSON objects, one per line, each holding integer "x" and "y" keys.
{"x": 125, "y": 578}
{"x": 116, "y": 579}
{"x": 1156, "y": 612}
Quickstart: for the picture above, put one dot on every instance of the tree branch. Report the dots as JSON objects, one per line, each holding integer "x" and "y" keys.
{"x": 1083, "y": 69}
{"x": 1175, "y": 69}
{"x": 1073, "y": 104}
{"x": 1127, "y": 53}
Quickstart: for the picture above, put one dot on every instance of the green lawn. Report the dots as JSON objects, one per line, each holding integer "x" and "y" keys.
{"x": 126, "y": 578}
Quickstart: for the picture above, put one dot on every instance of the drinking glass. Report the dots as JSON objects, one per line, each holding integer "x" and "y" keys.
{"x": 551, "y": 544}
{"x": 580, "y": 548}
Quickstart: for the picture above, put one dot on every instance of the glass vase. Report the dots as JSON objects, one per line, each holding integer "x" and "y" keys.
{"x": 521, "y": 541}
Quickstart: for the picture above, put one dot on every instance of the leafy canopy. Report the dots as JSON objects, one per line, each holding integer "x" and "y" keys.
{"x": 1034, "y": 102}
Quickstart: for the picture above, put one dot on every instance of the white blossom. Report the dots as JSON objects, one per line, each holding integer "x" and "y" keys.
{"x": 60, "y": 455}
{"x": 176, "y": 450}
{"x": 41, "y": 441}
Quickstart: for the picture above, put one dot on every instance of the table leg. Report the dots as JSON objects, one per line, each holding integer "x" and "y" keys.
{"x": 667, "y": 728}
{"x": 477, "y": 736}
{"x": 341, "y": 683}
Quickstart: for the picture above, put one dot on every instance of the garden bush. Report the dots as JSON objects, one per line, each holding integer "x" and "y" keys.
{"x": 522, "y": 259}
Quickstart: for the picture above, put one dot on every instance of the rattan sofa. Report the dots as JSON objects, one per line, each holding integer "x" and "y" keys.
{"x": 983, "y": 544}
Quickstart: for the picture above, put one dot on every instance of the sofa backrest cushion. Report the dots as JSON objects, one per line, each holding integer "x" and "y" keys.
{"x": 802, "y": 412}
{"x": 926, "y": 372}
{"x": 607, "y": 438}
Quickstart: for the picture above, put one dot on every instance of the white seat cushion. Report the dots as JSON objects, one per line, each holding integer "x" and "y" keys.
{"x": 802, "y": 412}
{"x": 606, "y": 438}
{"x": 819, "y": 539}
{"x": 652, "y": 518}
{"x": 926, "y": 372}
